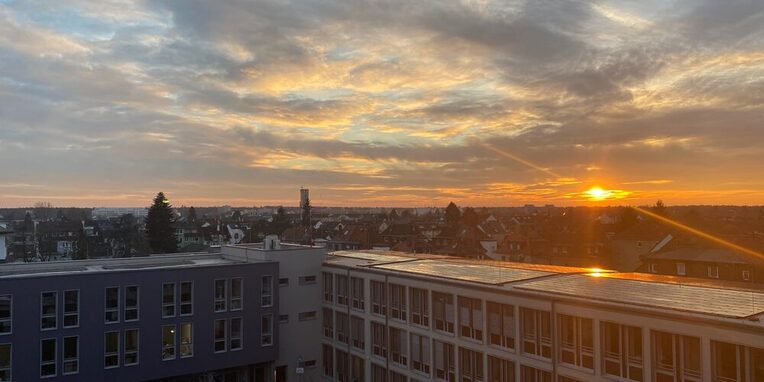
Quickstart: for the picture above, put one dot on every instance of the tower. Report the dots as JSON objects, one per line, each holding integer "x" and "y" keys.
{"x": 304, "y": 196}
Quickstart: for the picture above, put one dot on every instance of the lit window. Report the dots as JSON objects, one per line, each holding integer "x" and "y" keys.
{"x": 266, "y": 327}
{"x": 6, "y": 316}
{"x": 71, "y": 308}
{"x": 536, "y": 329}
{"x": 110, "y": 350}
{"x": 131, "y": 303}
{"x": 186, "y": 340}
{"x": 48, "y": 302}
{"x": 186, "y": 298}
{"x": 168, "y": 342}
{"x": 235, "y": 342}
{"x": 131, "y": 347}
{"x": 220, "y": 335}
{"x": 220, "y": 296}
{"x": 236, "y": 291}
{"x": 5, "y": 362}
{"x": 577, "y": 341}
{"x": 622, "y": 351}
{"x": 266, "y": 291}
{"x": 676, "y": 357}
{"x": 71, "y": 351}
{"x": 48, "y": 358}
{"x": 168, "y": 300}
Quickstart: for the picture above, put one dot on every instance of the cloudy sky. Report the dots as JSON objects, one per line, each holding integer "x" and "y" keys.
{"x": 392, "y": 103}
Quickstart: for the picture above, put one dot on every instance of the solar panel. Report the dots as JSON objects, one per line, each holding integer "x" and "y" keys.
{"x": 372, "y": 256}
{"x": 483, "y": 274}
{"x": 689, "y": 298}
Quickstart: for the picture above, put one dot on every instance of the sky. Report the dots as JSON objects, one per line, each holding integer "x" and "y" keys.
{"x": 381, "y": 103}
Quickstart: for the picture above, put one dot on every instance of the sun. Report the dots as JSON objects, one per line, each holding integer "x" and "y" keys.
{"x": 597, "y": 194}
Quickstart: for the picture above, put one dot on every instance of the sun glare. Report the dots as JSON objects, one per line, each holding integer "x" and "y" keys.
{"x": 597, "y": 194}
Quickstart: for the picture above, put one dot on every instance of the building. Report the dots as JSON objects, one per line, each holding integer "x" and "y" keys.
{"x": 304, "y": 197}
{"x": 115, "y": 212}
{"x": 4, "y": 232}
{"x": 394, "y": 317}
{"x": 183, "y": 317}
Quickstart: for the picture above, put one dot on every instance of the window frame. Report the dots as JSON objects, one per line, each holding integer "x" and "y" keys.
{"x": 137, "y": 349}
{"x": 266, "y": 299}
{"x": 136, "y": 308}
{"x": 190, "y": 302}
{"x": 8, "y": 322}
{"x": 173, "y": 346}
{"x": 75, "y": 313}
{"x": 53, "y": 362}
{"x": 65, "y": 360}
{"x": 172, "y": 304}
{"x": 9, "y": 369}
{"x": 219, "y": 340}
{"x": 54, "y": 315}
{"x": 190, "y": 344}
{"x": 239, "y": 299}
{"x": 266, "y": 334}
{"x": 116, "y": 354}
{"x": 240, "y": 337}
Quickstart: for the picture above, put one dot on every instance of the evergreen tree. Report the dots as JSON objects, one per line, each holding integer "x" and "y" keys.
{"x": 130, "y": 239}
{"x": 81, "y": 246}
{"x": 453, "y": 215}
{"x": 159, "y": 229}
{"x": 659, "y": 208}
{"x": 470, "y": 218}
{"x": 306, "y": 213}
{"x": 279, "y": 223}
{"x": 192, "y": 214}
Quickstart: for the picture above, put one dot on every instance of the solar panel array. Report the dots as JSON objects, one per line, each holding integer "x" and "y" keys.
{"x": 376, "y": 257}
{"x": 483, "y": 274}
{"x": 688, "y": 298}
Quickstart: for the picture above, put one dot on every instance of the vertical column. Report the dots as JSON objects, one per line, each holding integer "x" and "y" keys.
{"x": 705, "y": 357}
{"x": 647, "y": 351}
{"x": 597, "y": 346}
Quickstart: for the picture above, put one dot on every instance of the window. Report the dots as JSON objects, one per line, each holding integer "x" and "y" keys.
{"x": 652, "y": 268}
{"x": 470, "y": 318}
{"x": 110, "y": 350}
{"x": 186, "y": 298}
{"x": 378, "y": 340}
{"x": 131, "y": 303}
{"x": 531, "y": 374}
{"x": 48, "y": 358}
{"x": 328, "y": 323}
{"x": 327, "y": 356}
{"x": 576, "y": 341}
{"x": 236, "y": 337}
{"x": 328, "y": 287}
{"x": 307, "y": 280}
{"x": 443, "y": 311}
{"x": 48, "y": 302}
{"x": 71, "y": 352}
{"x": 398, "y": 346}
{"x": 676, "y": 357}
{"x": 71, "y": 309}
{"x": 131, "y": 347}
{"x": 746, "y": 274}
{"x": 471, "y": 363}
{"x": 445, "y": 365}
{"x": 420, "y": 353}
{"x": 342, "y": 327}
{"x": 343, "y": 372}
{"x": 757, "y": 364}
{"x": 357, "y": 332}
{"x": 398, "y": 302}
{"x": 622, "y": 351}
{"x": 501, "y": 324}
{"x": 186, "y": 340}
{"x": 713, "y": 271}
{"x": 378, "y": 373}
{"x": 236, "y": 292}
{"x": 220, "y": 296}
{"x": 5, "y": 362}
{"x": 266, "y": 325}
{"x": 6, "y": 316}
{"x": 536, "y": 330}
{"x": 397, "y": 377}
{"x": 500, "y": 370}
{"x": 420, "y": 307}
{"x": 378, "y": 298}
{"x": 357, "y": 369}
{"x": 283, "y": 282}
{"x": 306, "y": 316}
{"x": 168, "y": 300}
{"x": 342, "y": 290}
{"x": 358, "y": 292}
{"x": 266, "y": 293}
{"x": 168, "y": 342}
{"x": 681, "y": 269}
{"x": 727, "y": 362}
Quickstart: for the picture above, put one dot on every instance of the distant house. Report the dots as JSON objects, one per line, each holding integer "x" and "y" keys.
{"x": 629, "y": 246}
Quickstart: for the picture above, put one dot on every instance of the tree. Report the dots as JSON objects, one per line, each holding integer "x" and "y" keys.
{"x": 470, "y": 217}
{"x": 192, "y": 214}
{"x": 236, "y": 216}
{"x": 659, "y": 208}
{"x": 130, "y": 240}
{"x": 627, "y": 218}
{"x": 453, "y": 215}
{"x": 279, "y": 223}
{"x": 159, "y": 226}
{"x": 80, "y": 246}
{"x": 306, "y": 213}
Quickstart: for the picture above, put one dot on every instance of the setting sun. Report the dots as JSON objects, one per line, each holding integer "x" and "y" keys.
{"x": 597, "y": 194}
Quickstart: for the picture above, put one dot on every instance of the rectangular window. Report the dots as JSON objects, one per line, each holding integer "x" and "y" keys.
{"x": 71, "y": 352}
{"x": 357, "y": 369}
{"x": 5, "y": 362}
{"x": 357, "y": 290}
{"x": 445, "y": 364}
{"x": 186, "y": 340}
{"x": 342, "y": 290}
{"x": 327, "y": 360}
{"x": 398, "y": 302}
{"x": 220, "y": 295}
{"x": 471, "y": 363}
{"x": 342, "y": 327}
{"x": 110, "y": 350}
{"x": 443, "y": 311}
{"x": 235, "y": 342}
{"x": 728, "y": 363}
{"x": 676, "y": 357}
{"x": 220, "y": 335}
{"x": 266, "y": 293}
{"x": 536, "y": 330}
{"x": 131, "y": 347}
{"x": 378, "y": 373}
{"x": 168, "y": 300}
{"x": 284, "y": 282}
{"x": 420, "y": 307}
{"x": 328, "y": 323}
{"x": 236, "y": 292}
{"x": 328, "y": 287}
{"x": 283, "y": 318}
{"x": 48, "y": 358}
{"x": 357, "y": 333}
{"x": 501, "y": 324}
{"x": 531, "y": 374}
{"x": 306, "y": 316}
{"x": 756, "y": 364}
{"x": 6, "y": 314}
{"x": 378, "y": 298}
{"x": 378, "y": 340}
{"x": 622, "y": 351}
{"x": 186, "y": 298}
{"x": 398, "y": 346}
{"x": 131, "y": 303}
{"x": 500, "y": 370}
{"x": 470, "y": 318}
{"x": 576, "y": 341}
{"x": 111, "y": 305}
{"x": 71, "y": 308}
{"x": 420, "y": 353}
{"x": 168, "y": 342}
{"x": 713, "y": 271}
{"x": 266, "y": 326}
{"x": 397, "y": 377}
{"x": 343, "y": 371}
{"x": 48, "y": 303}
{"x": 681, "y": 269}
{"x": 307, "y": 280}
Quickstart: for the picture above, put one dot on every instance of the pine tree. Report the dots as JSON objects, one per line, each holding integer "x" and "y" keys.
{"x": 159, "y": 226}
{"x": 453, "y": 215}
{"x": 192, "y": 214}
{"x": 306, "y": 213}
{"x": 81, "y": 249}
